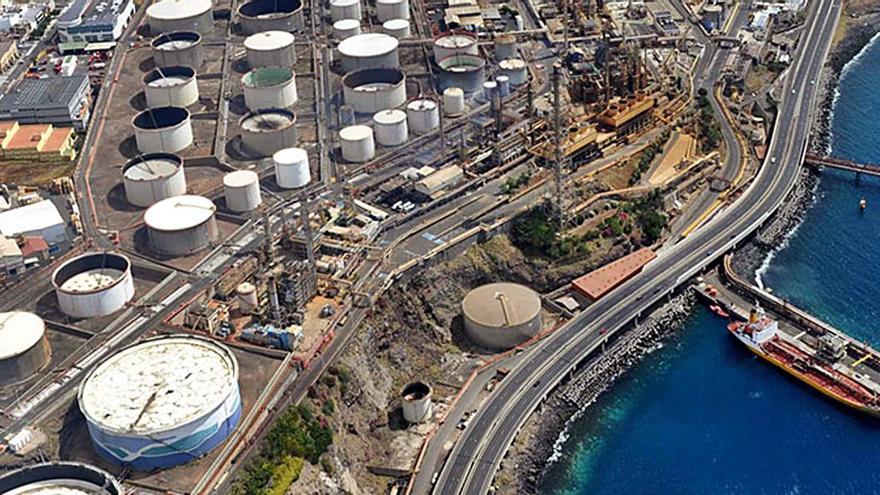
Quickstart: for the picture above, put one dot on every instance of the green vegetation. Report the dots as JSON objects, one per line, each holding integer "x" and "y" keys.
{"x": 709, "y": 128}
{"x": 647, "y": 211}
{"x": 537, "y": 234}
{"x": 513, "y": 184}
{"x": 296, "y": 435}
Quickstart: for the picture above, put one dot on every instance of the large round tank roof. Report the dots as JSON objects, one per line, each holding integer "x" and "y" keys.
{"x": 267, "y": 9}
{"x": 152, "y": 166}
{"x": 268, "y": 40}
{"x": 267, "y": 77}
{"x": 501, "y": 305}
{"x": 160, "y": 118}
{"x": 91, "y": 272}
{"x": 19, "y": 331}
{"x": 346, "y": 24}
{"x": 459, "y": 40}
{"x": 169, "y": 10}
{"x": 240, "y": 178}
{"x": 512, "y": 64}
{"x": 158, "y": 384}
{"x": 389, "y": 117}
{"x": 422, "y": 105}
{"x": 173, "y": 75}
{"x": 355, "y": 133}
{"x": 176, "y": 40}
{"x": 179, "y": 213}
{"x": 268, "y": 120}
{"x": 290, "y": 156}
{"x": 368, "y": 45}
{"x": 59, "y": 478}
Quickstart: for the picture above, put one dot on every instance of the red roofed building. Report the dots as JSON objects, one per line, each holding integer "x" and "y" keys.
{"x": 603, "y": 280}
{"x": 34, "y": 247}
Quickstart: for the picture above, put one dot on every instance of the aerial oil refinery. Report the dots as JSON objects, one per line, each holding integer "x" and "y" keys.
{"x": 287, "y": 246}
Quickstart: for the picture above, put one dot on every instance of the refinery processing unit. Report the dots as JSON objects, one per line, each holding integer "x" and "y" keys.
{"x": 273, "y": 225}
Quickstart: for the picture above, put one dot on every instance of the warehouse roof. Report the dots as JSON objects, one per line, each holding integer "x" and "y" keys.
{"x": 599, "y": 282}
{"x": 36, "y": 94}
{"x": 36, "y": 216}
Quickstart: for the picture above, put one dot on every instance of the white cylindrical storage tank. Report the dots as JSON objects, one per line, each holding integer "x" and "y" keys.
{"x": 270, "y": 49}
{"x": 162, "y": 130}
{"x": 266, "y": 131}
{"x": 503, "y": 85}
{"x": 423, "y": 115}
{"x": 93, "y": 284}
{"x": 398, "y": 28}
{"x": 502, "y": 315}
{"x": 60, "y": 478}
{"x": 454, "y": 44}
{"x": 357, "y": 144}
{"x": 153, "y": 177}
{"x": 180, "y": 15}
{"x": 292, "y": 168}
{"x": 242, "y": 190}
{"x": 173, "y": 86}
{"x": 392, "y": 9}
{"x": 181, "y": 225}
{"x": 257, "y": 16}
{"x": 346, "y": 28}
{"x": 269, "y": 87}
{"x": 505, "y": 47}
{"x": 390, "y": 127}
{"x": 489, "y": 88}
{"x": 247, "y": 297}
{"x": 345, "y": 9}
{"x": 372, "y": 90}
{"x": 368, "y": 51}
{"x": 178, "y": 48}
{"x": 463, "y": 71}
{"x": 416, "y": 402}
{"x": 24, "y": 349}
{"x": 453, "y": 101}
{"x": 516, "y": 69}
{"x": 174, "y": 390}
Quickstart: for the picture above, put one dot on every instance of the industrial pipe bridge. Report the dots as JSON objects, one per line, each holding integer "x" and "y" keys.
{"x": 842, "y": 164}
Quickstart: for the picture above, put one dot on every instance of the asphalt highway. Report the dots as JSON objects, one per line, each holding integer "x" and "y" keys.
{"x": 475, "y": 458}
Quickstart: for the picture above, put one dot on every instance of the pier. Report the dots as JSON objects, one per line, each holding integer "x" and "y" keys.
{"x": 736, "y": 296}
{"x": 842, "y": 164}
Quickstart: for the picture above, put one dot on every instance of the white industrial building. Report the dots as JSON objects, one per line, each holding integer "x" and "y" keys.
{"x": 38, "y": 219}
{"x": 11, "y": 257}
{"x": 442, "y": 179}
{"x": 93, "y": 21}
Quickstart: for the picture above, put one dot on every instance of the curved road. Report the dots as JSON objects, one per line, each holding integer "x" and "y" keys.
{"x": 476, "y": 456}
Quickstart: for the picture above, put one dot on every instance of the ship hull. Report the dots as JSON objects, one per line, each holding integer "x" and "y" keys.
{"x": 758, "y": 351}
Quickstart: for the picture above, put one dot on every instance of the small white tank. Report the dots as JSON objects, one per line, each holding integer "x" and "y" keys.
{"x": 515, "y": 69}
{"x": 346, "y": 28}
{"x": 357, "y": 143}
{"x": 423, "y": 115}
{"x": 453, "y": 101}
{"x": 247, "y": 297}
{"x": 416, "y": 402}
{"x": 390, "y": 127}
{"x": 292, "y": 168}
{"x": 503, "y": 85}
{"x": 398, "y": 28}
{"x": 242, "y": 190}
{"x": 392, "y": 9}
{"x": 489, "y": 88}
{"x": 345, "y": 9}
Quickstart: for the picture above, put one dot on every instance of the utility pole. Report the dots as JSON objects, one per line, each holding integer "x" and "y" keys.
{"x": 559, "y": 172}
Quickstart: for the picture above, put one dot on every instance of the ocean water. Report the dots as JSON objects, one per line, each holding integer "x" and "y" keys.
{"x": 703, "y": 415}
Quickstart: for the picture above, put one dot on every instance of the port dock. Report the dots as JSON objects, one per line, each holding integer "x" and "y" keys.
{"x": 726, "y": 292}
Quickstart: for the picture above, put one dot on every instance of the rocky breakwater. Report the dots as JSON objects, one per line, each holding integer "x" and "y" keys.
{"x": 549, "y": 429}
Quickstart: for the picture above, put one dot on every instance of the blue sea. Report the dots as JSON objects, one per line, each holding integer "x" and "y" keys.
{"x": 702, "y": 415}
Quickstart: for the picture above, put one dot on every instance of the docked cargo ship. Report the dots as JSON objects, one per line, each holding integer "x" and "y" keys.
{"x": 821, "y": 362}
